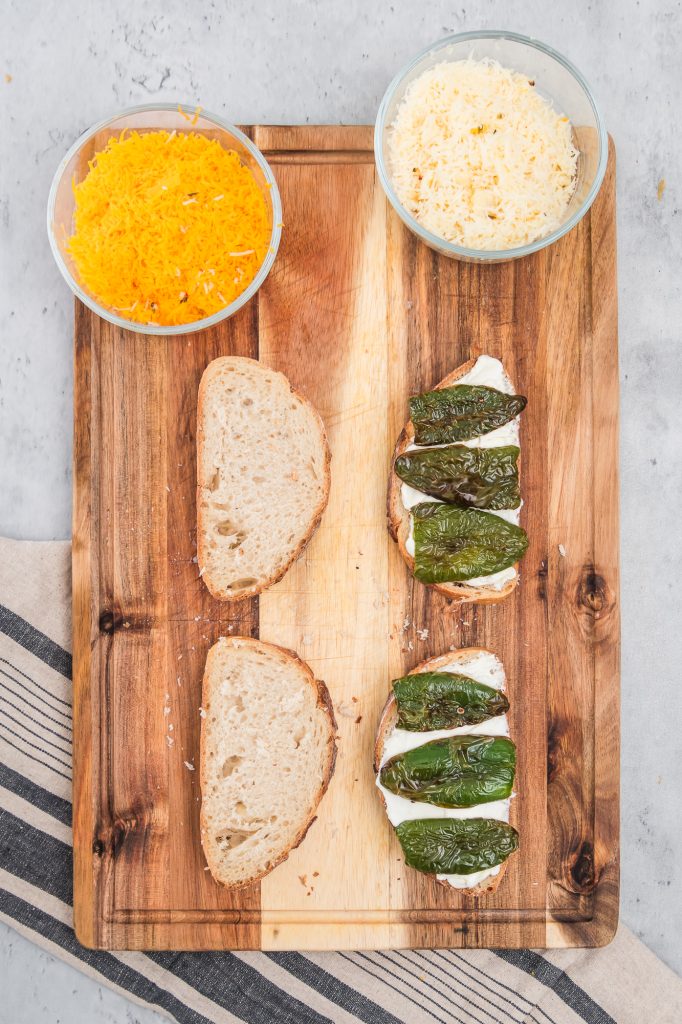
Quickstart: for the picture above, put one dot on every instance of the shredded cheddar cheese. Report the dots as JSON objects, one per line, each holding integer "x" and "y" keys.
{"x": 169, "y": 227}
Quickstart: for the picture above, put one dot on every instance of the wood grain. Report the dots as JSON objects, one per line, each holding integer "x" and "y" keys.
{"x": 359, "y": 315}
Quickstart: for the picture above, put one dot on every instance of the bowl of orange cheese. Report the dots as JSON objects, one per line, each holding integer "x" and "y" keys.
{"x": 164, "y": 221}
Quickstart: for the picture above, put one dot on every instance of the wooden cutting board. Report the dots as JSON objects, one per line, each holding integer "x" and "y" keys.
{"x": 359, "y": 315}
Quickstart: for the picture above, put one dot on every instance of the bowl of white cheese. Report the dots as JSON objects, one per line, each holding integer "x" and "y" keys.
{"x": 490, "y": 146}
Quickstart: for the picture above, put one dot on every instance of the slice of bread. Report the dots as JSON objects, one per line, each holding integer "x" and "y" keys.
{"x": 399, "y": 517}
{"x": 267, "y": 754}
{"x": 262, "y": 476}
{"x": 388, "y": 720}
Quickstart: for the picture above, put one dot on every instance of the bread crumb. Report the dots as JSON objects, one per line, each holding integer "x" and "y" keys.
{"x": 170, "y": 741}
{"x": 659, "y": 191}
{"x": 423, "y": 634}
{"x": 562, "y": 551}
{"x": 8, "y": 78}
{"x": 346, "y": 710}
{"x": 358, "y": 720}
{"x": 166, "y": 710}
{"x": 316, "y": 874}
{"x": 406, "y": 624}
{"x": 168, "y": 488}
{"x": 202, "y": 713}
{"x": 303, "y": 880}
{"x": 189, "y": 766}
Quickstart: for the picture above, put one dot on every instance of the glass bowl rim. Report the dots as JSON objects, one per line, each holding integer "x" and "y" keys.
{"x": 459, "y": 251}
{"x": 194, "y": 325}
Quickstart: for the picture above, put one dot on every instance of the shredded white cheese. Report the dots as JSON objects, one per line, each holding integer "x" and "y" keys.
{"x": 479, "y": 157}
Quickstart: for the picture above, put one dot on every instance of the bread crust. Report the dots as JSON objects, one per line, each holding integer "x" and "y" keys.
{"x": 399, "y": 518}
{"x": 324, "y": 703}
{"x": 214, "y": 367}
{"x": 387, "y": 721}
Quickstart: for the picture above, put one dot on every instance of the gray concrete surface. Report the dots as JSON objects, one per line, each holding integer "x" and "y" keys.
{"x": 72, "y": 64}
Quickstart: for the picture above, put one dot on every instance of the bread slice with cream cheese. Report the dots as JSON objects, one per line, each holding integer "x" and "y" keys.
{"x": 464, "y": 662}
{"x": 399, "y": 519}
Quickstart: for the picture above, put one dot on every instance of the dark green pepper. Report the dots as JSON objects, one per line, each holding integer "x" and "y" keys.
{"x": 461, "y": 412}
{"x": 444, "y": 700}
{"x": 456, "y": 846}
{"x": 457, "y": 544}
{"x": 468, "y": 477}
{"x": 457, "y": 771}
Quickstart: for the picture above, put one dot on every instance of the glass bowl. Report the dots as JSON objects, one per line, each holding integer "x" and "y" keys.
{"x": 74, "y": 166}
{"x": 556, "y": 79}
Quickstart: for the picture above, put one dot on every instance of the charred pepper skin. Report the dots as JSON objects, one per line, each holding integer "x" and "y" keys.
{"x": 461, "y": 412}
{"x": 426, "y": 701}
{"x": 457, "y": 544}
{"x": 456, "y": 846}
{"x": 456, "y": 771}
{"x": 485, "y": 478}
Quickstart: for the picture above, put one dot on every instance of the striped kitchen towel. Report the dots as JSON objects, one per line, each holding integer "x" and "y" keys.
{"x": 623, "y": 982}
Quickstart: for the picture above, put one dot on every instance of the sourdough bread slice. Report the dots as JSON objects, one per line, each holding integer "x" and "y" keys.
{"x": 388, "y": 721}
{"x": 267, "y": 755}
{"x": 399, "y": 517}
{"x": 262, "y": 476}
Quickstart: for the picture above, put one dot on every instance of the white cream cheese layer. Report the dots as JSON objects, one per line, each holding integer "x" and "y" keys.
{"x": 488, "y": 372}
{"x": 484, "y": 667}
